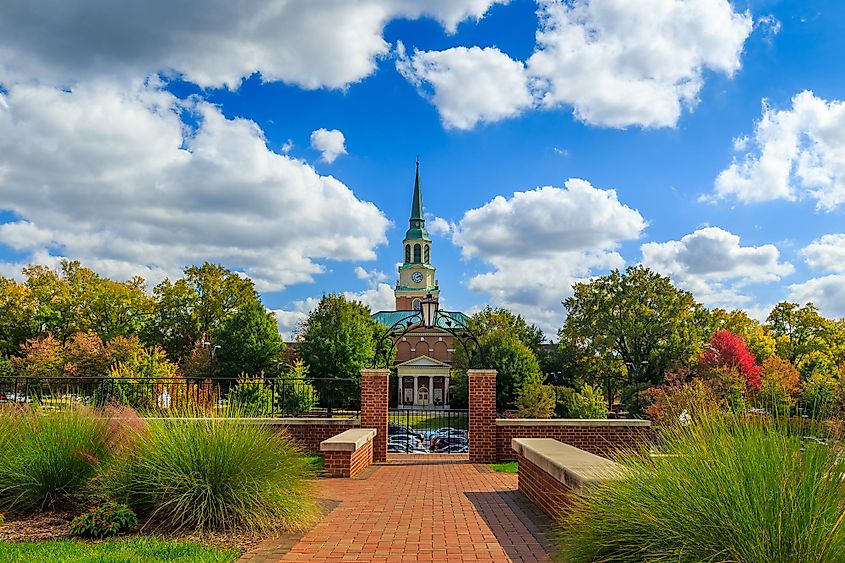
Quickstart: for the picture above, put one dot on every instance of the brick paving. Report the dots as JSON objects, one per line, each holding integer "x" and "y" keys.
{"x": 412, "y": 511}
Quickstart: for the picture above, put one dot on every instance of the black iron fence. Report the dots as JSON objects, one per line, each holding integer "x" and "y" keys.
{"x": 428, "y": 431}
{"x": 267, "y": 396}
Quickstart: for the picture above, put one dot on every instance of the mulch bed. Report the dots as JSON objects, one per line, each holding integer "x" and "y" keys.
{"x": 56, "y": 526}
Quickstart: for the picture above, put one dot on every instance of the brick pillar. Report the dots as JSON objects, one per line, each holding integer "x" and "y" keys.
{"x": 482, "y": 415}
{"x": 375, "y": 390}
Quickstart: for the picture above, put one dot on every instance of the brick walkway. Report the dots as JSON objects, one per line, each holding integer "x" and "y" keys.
{"x": 411, "y": 511}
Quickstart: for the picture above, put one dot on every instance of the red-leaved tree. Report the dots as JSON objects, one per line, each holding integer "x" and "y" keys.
{"x": 728, "y": 351}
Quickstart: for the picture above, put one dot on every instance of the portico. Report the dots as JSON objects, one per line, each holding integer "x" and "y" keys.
{"x": 423, "y": 382}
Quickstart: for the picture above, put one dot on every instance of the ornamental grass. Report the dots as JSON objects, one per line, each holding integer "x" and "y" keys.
{"x": 728, "y": 488}
{"x": 48, "y": 459}
{"x": 212, "y": 474}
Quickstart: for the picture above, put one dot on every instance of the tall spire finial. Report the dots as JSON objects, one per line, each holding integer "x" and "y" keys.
{"x": 416, "y": 205}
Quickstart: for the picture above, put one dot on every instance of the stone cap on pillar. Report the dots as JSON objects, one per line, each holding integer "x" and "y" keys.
{"x": 380, "y": 372}
{"x": 481, "y": 373}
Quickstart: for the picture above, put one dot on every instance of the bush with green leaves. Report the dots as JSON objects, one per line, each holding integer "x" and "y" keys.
{"x": 588, "y": 403}
{"x": 252, "y": 396}
{"x": 108, "y": 519}
{"x": 821, "y": 392}
{"x": 536, "y": 399}
{"x": 48, "y": 459}
{"x": 212, "y": 474}
{"x": 730, "y": 488}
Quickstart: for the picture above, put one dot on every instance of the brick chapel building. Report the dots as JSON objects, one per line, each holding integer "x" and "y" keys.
{"x": 423, "y": 355}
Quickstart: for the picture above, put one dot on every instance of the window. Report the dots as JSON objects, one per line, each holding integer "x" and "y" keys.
{"x": 416, "y": 304}
{"x": 417, "y": 253}
{"x": 407, "y": 253}
{"x": 426, "y": 254}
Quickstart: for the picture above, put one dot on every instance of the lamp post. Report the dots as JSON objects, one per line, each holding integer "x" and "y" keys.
{"x": 212, "y": 351}
{"x": 428, "y": 309}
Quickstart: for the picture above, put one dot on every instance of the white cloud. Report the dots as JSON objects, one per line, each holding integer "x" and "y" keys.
{"x": 470, "y": 85}
{"x": 712, "y": 264}
{"x": 330, "y": 143}
{"x": 372, "y": 276}
{"x": 542, "y": 241}
{"x": 827, "y": 293}
{"x": 378, "y": 298}
{"x": 312, "y": 43}
{"x": 826, "y": 253}
{"x": 796, "y": 153}
{"x": 115, "y": 179}
{"x": 617, "y": 63}
{"x": 438, "y": 226}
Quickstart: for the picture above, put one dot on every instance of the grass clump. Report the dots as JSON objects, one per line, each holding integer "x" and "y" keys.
{"x": 505, "y": 467}
{"x": 728, "y": 489}
{"x": 212, "y": 474}
{"x": 47, "y": 460}
{"x": 123, "y": 550}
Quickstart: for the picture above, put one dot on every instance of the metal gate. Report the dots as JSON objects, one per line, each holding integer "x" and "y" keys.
{"x": 422, "y": 431}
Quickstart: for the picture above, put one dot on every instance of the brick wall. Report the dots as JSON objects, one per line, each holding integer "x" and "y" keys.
{"x": 600, "y": 437}
{"x": 545, "y": 491}
{"x": 308, "y": 435}
{"x": 348, "y": 464}
{"x": 482, "y": 415}
{"x": 375, "y": 394}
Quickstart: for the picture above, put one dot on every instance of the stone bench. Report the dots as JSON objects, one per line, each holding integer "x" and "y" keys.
{"x": 551, "y": 472}
{"x": 348, "y": 453}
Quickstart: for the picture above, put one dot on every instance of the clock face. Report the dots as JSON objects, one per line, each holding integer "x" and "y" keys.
{"x": 417, "y": 277}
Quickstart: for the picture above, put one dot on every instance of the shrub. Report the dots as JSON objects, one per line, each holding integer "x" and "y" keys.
{"x": 47, "y": 460}
{"x": 734, "y": 489}
{"x": 680, "y": 394}
{"x": 108, "y": 519}
{"x": 295, "y": 396}
{"x": 779, "y": 387}
{"x": 589, "y": 403}
{"x": 535, "y": 399}
{"x": 820, "y": 394}
{"x": 252, "y": 396}
{"x": 212, "y": 474}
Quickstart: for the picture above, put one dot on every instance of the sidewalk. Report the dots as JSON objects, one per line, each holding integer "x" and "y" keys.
{"x": 405, "y": 511}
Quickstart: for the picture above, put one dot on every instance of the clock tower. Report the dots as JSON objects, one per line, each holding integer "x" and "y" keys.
{"x": 416, "y": 274}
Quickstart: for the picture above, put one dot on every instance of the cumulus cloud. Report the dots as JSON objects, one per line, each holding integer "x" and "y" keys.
{"x": 714, "y": 266}
{"x": 438, "y": 226}
{"x": 826, "y": 292}
{"x": 796, "y": 153}
{"x": 212, "y": 43}
{"x": 116, "y": 179}
{"x": 826, "y": 253}
{"x": 470, "y": 85}
{"x": 330, "y": 143}
{"x": 541, "y": 241}
{"x": 616, "y": 63}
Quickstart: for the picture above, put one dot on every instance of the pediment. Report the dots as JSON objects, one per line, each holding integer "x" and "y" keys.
{"x": 423, "y": 361}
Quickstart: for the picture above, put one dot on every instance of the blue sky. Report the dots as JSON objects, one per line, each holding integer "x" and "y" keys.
{"x": 557, "y": 140}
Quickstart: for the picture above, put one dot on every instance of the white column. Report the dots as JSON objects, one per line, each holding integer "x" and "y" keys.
{"x": 446, "y": 390}
{"x": 399, "y": 391}
{"x": 416, "y": 388}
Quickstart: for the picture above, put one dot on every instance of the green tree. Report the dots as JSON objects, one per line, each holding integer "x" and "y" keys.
{"x": 588, "y": 403}
{"x": 249, "y": 342}
{"x": 489, "y": 320}
{"x": 639, "y": 319}
{"x": 337, "y": 340}
{"x": 17, "y": 316}
{"x": 513, "y": 361}
{"x": 799, "y": 331}
{"x": 196, "y": 307}
{"x": 535, "y": 399}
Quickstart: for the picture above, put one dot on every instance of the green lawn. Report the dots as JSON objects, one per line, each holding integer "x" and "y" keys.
{"x": 131, "y": 550}
{"x": 505, "y": 467}
{"x": 318, "y": 462}
{"x": 430, "y": 421}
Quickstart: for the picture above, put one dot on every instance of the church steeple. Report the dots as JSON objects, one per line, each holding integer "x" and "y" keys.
{"x": 416, "y": 230}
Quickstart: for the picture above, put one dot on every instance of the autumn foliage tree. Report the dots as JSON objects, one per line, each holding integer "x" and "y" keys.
{"x": 728, "y": 351}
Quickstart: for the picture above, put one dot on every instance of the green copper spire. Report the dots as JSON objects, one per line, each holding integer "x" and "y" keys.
{"x": 417, "y": 231}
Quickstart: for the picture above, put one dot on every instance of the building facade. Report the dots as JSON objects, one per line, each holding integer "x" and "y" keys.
{"x": 423, "y": 355}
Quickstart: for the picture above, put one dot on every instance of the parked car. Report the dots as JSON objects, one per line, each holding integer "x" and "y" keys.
{"x": 442, "y": 442}
{"x": 455, "y": 449}
{"x": 405, "y": 448}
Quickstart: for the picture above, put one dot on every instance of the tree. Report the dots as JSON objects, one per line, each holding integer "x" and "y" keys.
{"x": 637, "y": 318}
{"x": 337, "y": 340}
{"x": 799, "y": 331}
{"x": 588, "y": 403}
{"x": 249, "y": 342}
{"x": 535, "y": 399}
{"x": 489, "y": 320}
{"x": 196, "y": 307}
{"x": 728, "y": 351}
{"x": 513, "y": 361}
{"x": 780, "y": 386}
{"x": 17, "y": 316}
{"x": 757, "y": 337}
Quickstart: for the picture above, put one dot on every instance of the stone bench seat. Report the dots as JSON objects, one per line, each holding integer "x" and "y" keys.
{"x": 348, "y": 453}
{"x": 551, "y": 472}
